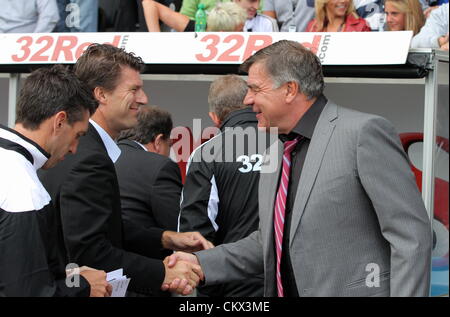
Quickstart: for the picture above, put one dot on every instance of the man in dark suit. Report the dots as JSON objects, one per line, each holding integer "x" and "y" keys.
{"x": 85, "y": 190}
{"x": 149, "y": 181}
{"x": 347, "y": 219}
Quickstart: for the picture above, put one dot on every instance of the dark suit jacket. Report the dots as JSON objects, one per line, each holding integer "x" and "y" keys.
{"x": 86, "y": 199}
{"x": 150, "y": 187}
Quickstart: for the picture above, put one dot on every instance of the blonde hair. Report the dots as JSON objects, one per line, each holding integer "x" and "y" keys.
{"x": 225, "y": 17}
{"x": 321, "y": 14}
{"x": 414, "y": 17}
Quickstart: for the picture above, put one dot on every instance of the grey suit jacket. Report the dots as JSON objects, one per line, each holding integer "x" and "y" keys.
{"x": 359, "y": 226}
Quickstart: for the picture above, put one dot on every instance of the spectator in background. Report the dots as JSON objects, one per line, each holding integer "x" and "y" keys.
{"x": 149, "y": 182}
{"x": 88, "y": 15}
{"x": 434, "y": 33}
{"x": 77, "y": 16}
{"x": 337, "y": 16}
{"x": 220, "y": 196}
{"x": 225, "y": 17}
{"x": 28, "y": 16}
{"x": 372, "y": 11}
{"x": 256, "y": 22}
{"x": 430, "y": 5}
{"x": 61, "y": 25}
{"x": 175, "y": 5}
{"x": 292, "y": 15}
{"x": 119, "y": 16}
{"x": 404, "y": 15}
{"x": 189, "y": 7}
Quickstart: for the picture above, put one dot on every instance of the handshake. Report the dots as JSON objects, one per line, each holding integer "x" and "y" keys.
{"x": 183, "y": 272}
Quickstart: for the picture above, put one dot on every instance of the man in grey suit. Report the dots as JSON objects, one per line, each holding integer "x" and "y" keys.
{"x": 353, "y": 222}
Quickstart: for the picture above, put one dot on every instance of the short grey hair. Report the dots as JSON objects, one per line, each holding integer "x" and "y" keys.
{"x": 226, "y": 94}
{"x": 286, "y": 61}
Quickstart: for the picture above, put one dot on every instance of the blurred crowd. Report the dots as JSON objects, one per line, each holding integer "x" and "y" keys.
{"x": 428, "y": 19}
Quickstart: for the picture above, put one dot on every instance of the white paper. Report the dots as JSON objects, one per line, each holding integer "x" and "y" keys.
{"x": 119, "y": 283}
{"x": 119, "y": 287}
{"x": 113, "y": 275}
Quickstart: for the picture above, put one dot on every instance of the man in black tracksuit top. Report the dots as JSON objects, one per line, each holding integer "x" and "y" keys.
{"x": 220, "y": 195}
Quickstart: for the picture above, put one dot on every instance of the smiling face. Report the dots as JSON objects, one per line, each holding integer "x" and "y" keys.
{"x": 337, "y": 8}
{"x": 267, "y": 102}
{"x": 251, "y": 6}
{"x": 123, "y": 102}
{"x": 394, "y": 17}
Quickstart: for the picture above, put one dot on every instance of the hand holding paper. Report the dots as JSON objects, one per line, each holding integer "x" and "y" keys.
{"x": 119, "y": 283}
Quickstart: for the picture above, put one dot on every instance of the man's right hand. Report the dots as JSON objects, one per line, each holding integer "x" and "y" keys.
{"x": 97, "y": 280}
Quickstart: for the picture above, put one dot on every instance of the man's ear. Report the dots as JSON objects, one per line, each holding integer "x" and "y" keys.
{"x": 100, "y": 95}
{"x": 157, "y": 143}
{"x": 215, "y": 118}
{"x": 59, "y": 120}
{"x": 292, "y": 89}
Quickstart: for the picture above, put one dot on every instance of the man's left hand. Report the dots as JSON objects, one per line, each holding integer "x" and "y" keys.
{"x": 185, "y": 241}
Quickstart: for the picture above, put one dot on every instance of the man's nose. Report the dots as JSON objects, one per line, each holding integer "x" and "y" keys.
{"x": 142, "y": 98}
{"x": 73, "y": 147}
{"x": 248, "y": 100}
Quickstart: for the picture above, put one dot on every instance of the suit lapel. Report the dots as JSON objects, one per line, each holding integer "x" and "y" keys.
{"x": 267, "y": 190}
{"x": 319, "y": 142}
{"x": 267, "y": 193}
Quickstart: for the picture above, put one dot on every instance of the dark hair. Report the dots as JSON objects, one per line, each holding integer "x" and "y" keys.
{"x": 152, "y": 121}
{"x": 50, "y": 90}
{"x": 286, "y": 61}
{"x": 100, "y": 65}
{"x": 226, "y": 94}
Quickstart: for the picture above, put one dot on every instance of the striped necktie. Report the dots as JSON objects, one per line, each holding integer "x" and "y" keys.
{"x": 280, "y": 206}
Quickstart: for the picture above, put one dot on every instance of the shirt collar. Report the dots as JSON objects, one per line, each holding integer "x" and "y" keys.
{"x": 40, "y": 156}
{"x": 307, "y": 123}
{"x": 239, "y": 117}
{"x": 111, "y": 146}
{"x": 141, "y": 145}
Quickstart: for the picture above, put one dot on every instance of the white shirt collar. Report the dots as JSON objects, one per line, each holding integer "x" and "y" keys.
{"x": 142, "y": 146}
{"x": 111, "y": 146}
{"x": 39, "y": 157}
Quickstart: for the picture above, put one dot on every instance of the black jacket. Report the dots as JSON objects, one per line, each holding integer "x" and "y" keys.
{"x": 27, "y": 252}
{"x": 91, "y": 231}
{"x": 220, "y": 195}
{"x": 150, "y": 187}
